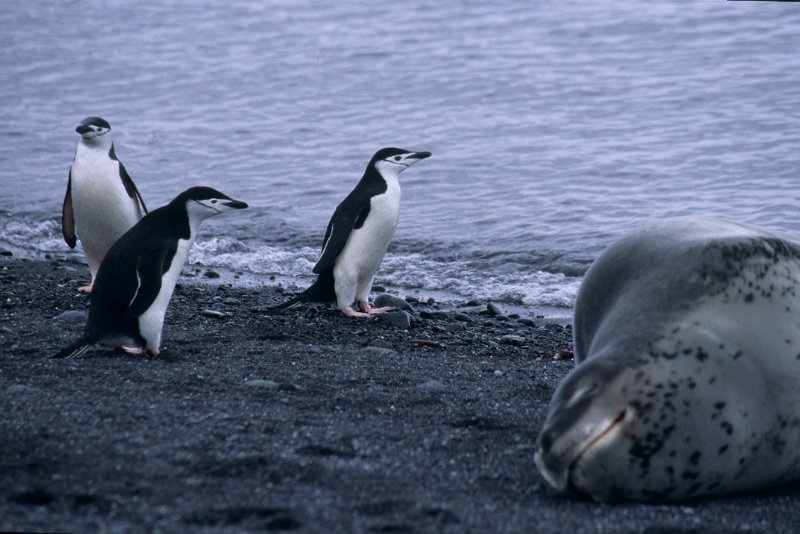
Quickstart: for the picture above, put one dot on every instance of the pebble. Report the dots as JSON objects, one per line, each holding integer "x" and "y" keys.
{"x": 554, "y": 327}
{"x": 385, "y": 299}
{"x": 412, "y": 299}
{"x": 432, "y": 385}
{"x": 498, "y": 373}
{"x": 512, "y": 339}
{"x": 474, "y": 302}
{"x": 267, "y": 384}
{"x": 211, "y": 274}
{"x": 463, "y": 317}
{"x": 5, "y": 252}
{"x": 398, "y": 319}
{"x": 455, "y": 327}
{"x": 18, "y": 388}
{"x": 71, "y": 316}
{"x": 214, "y": 313}
{"x": 315, "y": 350}
{"x": 526, "y": 322}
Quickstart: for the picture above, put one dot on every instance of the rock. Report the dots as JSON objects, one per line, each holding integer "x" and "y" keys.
{"x": 463, "y": 317}
{"x": 316, "y": 350}
{"x": 5, "y": 252}
{"x": 432, "y": 385}
{"x": 455, "y": 327}
{"x": 71, "y": 317}
{"x": 498, "y": 373}
{"x": 493, "y": 309}
{"x": 526, "y": 322}
{"x": 385, "y": 299}
{"x": 211, "y": 274}
{"x": 214, "y": 313}
{"x": 474, "y": 302}
{"x": 555, "y": 327}
{"x": 398, "y": 319}
{"x": 379, "y": 350}
{"x": 379, "y": 289}
{"x": 266, "y": 384}
{"x": 380, "y": 343}
{"x": 231, "y": 301}
{"x": 512, "y": 339}
{"x": 412, "y": 299}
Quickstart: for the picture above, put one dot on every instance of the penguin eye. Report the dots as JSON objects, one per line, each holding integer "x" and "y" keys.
{"x": 397, "y": 158}
{"x": 214, "y": 201}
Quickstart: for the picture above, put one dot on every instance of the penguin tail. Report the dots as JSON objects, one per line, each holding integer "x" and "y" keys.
{"x": 320, "y": 291}
{"x": 76, "y": 349}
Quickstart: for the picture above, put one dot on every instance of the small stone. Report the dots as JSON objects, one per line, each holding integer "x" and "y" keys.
{"x": 431, "y": 301}
{"x": 71, "y": 317}
{"x": 385, "y": 299}
{"x": 412, "y": 299}
{"x": 498, "y": 373}
{"x": 463, "y": 317}
{"x": 473, "y": 302}
{"x": 455, "y": 327}
{"x": 5, "y": 252}
{"x": 211, "y": 274}
{"x": 214, "y": 313}
{"x": 379, "y": 289}
{"x": 258, "y": 383}
{"x": 493, "y": 309}
{"x": 526, "y": 321}
{"x": 381, "y": 343}
{"x": 231, "y": 301}
{"x": 315, "y": 349}
{"x": 563, "y": 354}
{"x": 555, "y": 327}
{"x": 512, "y": 339}
{"x": 432, "y": 385}
{"x": 398, "y": 319}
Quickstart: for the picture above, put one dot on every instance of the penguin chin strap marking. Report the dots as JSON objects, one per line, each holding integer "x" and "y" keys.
{"x": 207, "y": 206}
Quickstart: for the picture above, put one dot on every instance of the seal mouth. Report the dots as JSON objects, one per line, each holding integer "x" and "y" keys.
{"x": 605, "y": 435}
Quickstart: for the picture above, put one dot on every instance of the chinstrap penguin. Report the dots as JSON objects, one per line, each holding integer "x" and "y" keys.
{"x": 138, "y": 275}
{"x": 358, "y": 236}
{"x": 102, "y": 201}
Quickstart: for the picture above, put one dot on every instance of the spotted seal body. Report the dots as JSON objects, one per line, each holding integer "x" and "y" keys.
{"x": 687, "y": 346}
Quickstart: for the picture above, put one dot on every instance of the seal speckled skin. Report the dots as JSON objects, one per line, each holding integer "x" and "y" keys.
{"x": 687, "y": 346}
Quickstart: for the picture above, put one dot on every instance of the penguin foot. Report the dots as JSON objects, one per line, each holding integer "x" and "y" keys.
{"x": 366, "y": 308}
{"x": 350, "y": 312}
{"x": 86, "y": 289}
{"x": 132, "y": 350}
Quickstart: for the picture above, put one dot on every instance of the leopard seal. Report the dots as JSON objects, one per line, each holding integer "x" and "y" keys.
{"x": 687, "y": 377}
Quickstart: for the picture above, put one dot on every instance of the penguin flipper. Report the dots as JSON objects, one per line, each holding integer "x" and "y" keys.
{"x": 149, "y": 268}
{"x": 127, "y": 181}
{"x": 68, "y": 216}
{"x": 342, "y": 224}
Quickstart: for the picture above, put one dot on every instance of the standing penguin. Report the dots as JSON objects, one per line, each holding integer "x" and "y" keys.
{"x": 102, "y": 201}
{"x": 138, "y": 275}
{"x": 358, "y": 236}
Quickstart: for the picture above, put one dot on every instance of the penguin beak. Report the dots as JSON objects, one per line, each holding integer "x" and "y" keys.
{"x": 235, "y": 204}
{"x": 420, "y": 155}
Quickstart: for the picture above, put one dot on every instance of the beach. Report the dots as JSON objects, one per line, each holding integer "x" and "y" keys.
{"x": 300, "y": 420}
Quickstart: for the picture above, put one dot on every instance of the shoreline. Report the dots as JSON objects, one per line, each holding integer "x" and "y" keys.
{"x": 301, "y": 420}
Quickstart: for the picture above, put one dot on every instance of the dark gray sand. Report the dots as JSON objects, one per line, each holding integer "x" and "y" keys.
{"x": 289, "y": 422}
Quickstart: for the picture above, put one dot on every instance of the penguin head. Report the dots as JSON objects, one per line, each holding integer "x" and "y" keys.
{"x": 392, "y": 161}
{"x": 204, "y": 202}
{"x": 92, "y": 127}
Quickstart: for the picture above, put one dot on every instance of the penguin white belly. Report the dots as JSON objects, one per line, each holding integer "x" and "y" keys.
{"x": 103, "y": 210}
{"x": 362, "y": 255}
{"x": 151, "y": 321}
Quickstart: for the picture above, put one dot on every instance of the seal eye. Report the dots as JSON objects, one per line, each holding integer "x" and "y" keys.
{"x": 397, "y": 158}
